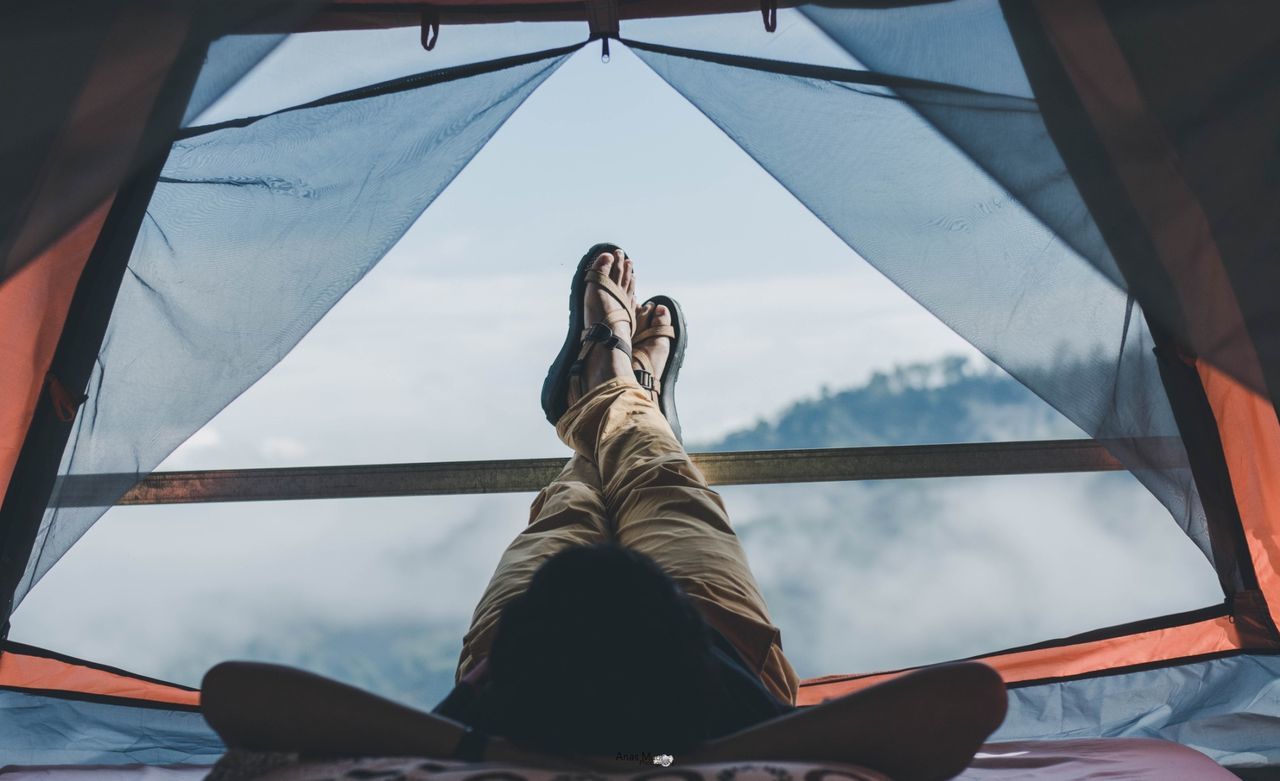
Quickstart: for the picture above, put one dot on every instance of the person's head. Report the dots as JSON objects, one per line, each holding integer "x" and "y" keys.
{"x": 603, "y": 653}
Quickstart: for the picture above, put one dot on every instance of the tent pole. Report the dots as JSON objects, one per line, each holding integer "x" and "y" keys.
{"x": 759, "y": 467}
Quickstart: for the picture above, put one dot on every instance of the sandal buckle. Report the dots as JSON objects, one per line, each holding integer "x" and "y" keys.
{"x": 599, "y": 332}
{"x": 645, "y": 378}
{"x": 604, "y": 335}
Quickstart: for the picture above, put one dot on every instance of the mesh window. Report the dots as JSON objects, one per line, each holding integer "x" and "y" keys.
{"x": 255, "y": 230}
{"x": 918, "y": 207}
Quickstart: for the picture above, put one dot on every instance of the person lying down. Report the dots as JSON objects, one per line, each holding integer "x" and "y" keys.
{"x": 624, "y": 619}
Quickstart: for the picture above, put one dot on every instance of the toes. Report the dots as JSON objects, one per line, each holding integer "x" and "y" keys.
{"x": 644, "y": 314}
{"x": 604, "y": 263}
{"x": 627, "y": 278}
{"x": 619, "y": 265}
{"x": 661, "y": 314}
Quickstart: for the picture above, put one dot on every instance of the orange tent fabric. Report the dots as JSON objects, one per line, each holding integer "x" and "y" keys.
{"x": 33, "y": 671}
{"x": 1204, "y": 638}
{"x": 33, "y": 308}
{"x": 1251, "y": 443}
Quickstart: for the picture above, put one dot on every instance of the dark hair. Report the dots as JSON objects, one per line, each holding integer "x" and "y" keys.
{"x": 603, "y": 653}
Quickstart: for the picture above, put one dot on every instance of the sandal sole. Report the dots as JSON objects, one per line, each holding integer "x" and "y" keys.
{"x": 671, "y": 372}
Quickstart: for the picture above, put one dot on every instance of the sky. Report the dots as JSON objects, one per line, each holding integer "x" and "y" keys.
{"x": 439, "y": 354}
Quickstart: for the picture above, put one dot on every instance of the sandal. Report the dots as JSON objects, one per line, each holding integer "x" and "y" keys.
{"x": 663, "y": 389}
{"x": 566, "y": 371}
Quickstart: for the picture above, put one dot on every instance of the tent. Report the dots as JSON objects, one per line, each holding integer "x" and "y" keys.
{"x": 1084, "y": 190}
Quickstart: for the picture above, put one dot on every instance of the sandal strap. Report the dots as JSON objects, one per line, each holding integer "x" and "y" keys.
{"x": 646, "y": 365}
{"x": 654, "y": 332}
{"x": 598, "y": 334}
{"x": 612, "y": 322}
{"x": 644, "y": 373}
{"x": 613, "y": 289}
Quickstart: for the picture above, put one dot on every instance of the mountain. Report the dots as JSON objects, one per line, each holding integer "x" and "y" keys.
{"x": 949, "y": 400}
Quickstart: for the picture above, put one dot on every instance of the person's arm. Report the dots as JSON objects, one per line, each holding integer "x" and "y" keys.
{"x": 923, "y": 726}
{"x": 267, "y": 707}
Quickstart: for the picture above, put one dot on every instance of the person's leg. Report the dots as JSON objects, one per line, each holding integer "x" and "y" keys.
{"x": 567, "y": 513}
{"x": 663, "y": 508}
{"x": 570, "y": 511}
{"x": 925, "y": 725}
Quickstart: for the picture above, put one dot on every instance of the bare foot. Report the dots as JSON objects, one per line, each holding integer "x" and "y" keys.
{"x": 602, "y": 363}
{"x": 656, "y": 349}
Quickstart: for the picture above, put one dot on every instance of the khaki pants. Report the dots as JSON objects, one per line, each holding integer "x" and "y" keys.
{"x": 629, "y": 467}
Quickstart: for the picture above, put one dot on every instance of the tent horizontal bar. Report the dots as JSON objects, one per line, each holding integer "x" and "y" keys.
{"x": 527, "y": 475}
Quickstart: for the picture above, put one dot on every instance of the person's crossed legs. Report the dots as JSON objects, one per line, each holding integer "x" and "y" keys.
{"x": 629, "y": 467}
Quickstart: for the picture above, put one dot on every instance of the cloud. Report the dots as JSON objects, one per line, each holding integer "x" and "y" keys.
{"x": 873, "y": 576}
{"x": 157, "y": 589}
{"x": 282, "y": 449}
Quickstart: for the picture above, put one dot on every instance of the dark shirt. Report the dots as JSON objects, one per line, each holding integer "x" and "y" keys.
{"x": 743, "y": 700}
